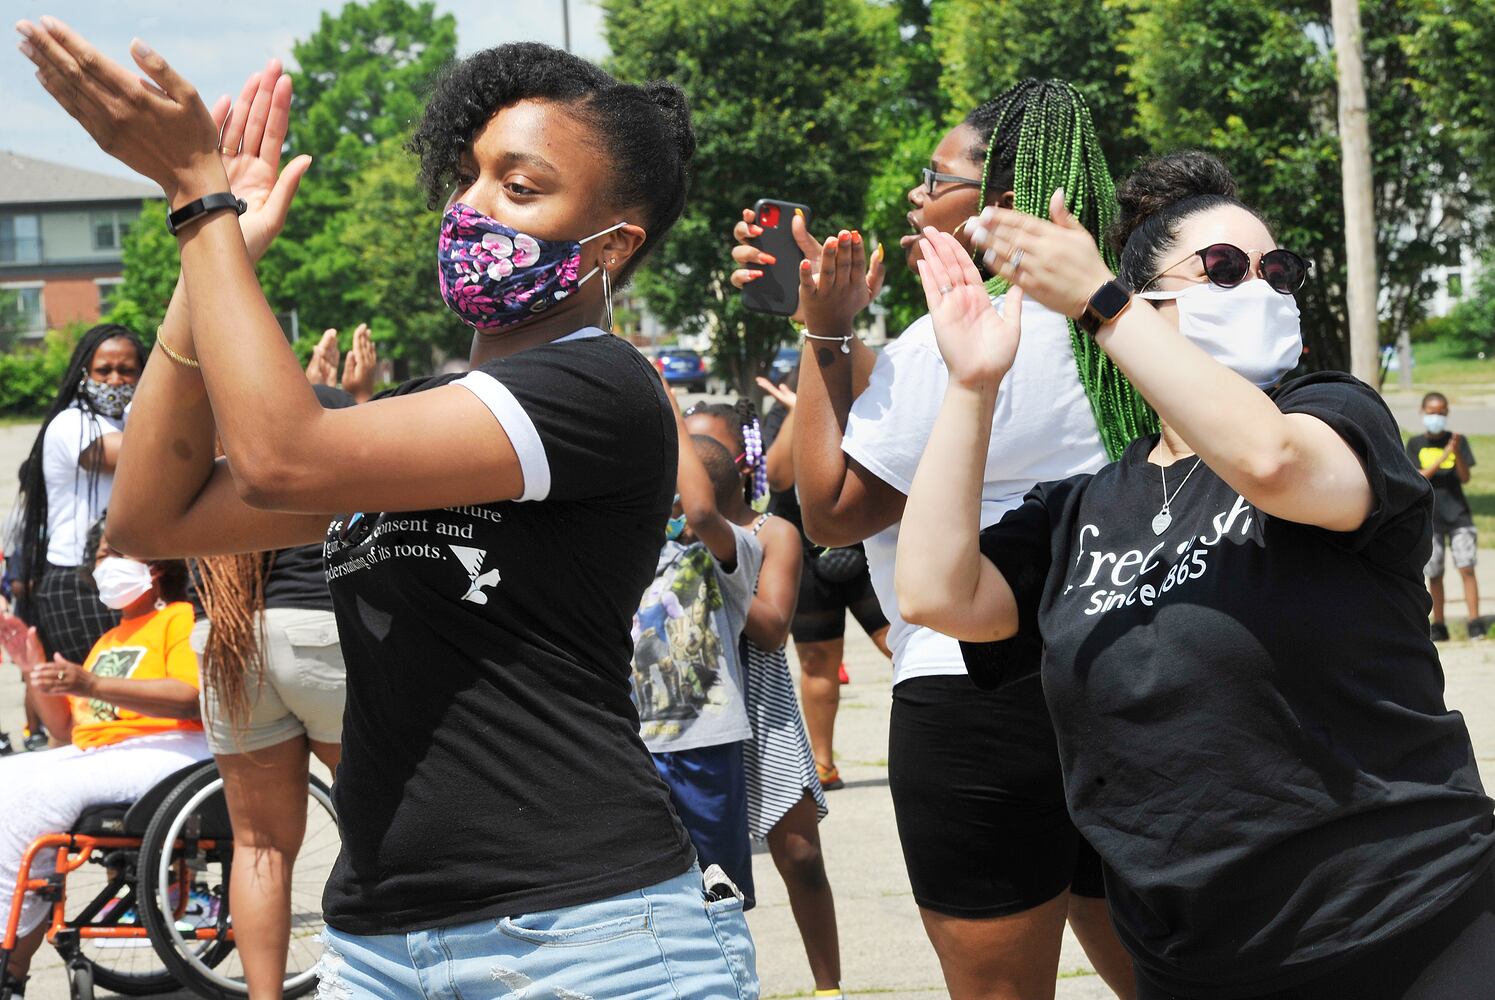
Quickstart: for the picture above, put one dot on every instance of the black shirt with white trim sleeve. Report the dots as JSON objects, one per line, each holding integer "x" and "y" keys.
{"x": 491, "y": 757}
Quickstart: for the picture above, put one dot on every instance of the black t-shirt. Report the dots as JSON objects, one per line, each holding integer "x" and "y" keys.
{"x": 1450, "y": 507}
{"x": 297, "y": 579}
{"x": 1250, "y": 714}
{"x": 491, "y": 757}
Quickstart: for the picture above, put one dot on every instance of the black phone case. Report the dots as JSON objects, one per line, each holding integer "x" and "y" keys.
{"x": 777, "y": 292}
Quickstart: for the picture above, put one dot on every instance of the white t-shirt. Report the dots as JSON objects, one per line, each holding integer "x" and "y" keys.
{"x": 72, "y": 506}
{"x": 1043, "y": 429}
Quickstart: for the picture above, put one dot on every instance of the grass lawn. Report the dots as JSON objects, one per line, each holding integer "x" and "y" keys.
{"x": 1480, "y": 490}
{"x": 1439, "y": 366}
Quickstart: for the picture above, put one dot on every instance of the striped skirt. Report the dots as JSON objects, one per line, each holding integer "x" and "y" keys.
{"x": 780, "y": 766}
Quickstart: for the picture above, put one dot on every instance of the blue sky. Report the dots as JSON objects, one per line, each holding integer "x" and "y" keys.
{"x": 216, "y": 45}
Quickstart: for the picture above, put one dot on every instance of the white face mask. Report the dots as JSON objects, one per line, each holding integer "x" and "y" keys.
{"x": 122, "y": 582}
{"x": 1250, "y": 329}
{"x": 1434, "y": 423}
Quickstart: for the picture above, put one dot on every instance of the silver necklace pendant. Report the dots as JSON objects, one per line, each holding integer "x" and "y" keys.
{"x": 1161, "y": 522}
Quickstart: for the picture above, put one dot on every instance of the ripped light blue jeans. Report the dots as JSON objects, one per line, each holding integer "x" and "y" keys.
{"x": 665, "y": 942}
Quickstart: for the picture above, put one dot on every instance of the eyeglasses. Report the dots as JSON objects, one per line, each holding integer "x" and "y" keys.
{"x": 1228, "y": 265}
{"x": 932, "y": 177}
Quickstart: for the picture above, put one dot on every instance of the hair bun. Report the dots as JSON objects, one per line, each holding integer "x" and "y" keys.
{"x": 671, "y": 102}
{"x": 1165, "y": 181}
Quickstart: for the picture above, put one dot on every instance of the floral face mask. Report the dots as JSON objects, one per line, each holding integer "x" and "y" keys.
{"x": 493, "y": 276}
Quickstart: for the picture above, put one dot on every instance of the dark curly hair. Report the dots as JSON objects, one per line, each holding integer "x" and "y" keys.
{"x": 646, "y": 130}
{"x": 1156, "y": 199}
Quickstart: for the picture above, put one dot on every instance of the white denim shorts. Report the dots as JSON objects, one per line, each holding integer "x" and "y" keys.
{"x": 303, "y": 690}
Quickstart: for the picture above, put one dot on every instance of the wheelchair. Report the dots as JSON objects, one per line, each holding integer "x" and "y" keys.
{"x": 157, "y": 917}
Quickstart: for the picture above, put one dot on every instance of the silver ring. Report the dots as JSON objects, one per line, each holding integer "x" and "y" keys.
{"x": 225, "y": 151}
{"x": 61, "y": 674}
{"x": 1017, "y": 259}
{"x": 946, "y": 289}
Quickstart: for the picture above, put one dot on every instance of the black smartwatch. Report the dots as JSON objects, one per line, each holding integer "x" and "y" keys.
{"x": 1109, "y": 301}
{"x": 205, "y": 205}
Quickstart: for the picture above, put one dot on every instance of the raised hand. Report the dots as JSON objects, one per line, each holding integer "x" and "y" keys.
{"x": 253, "y": 131}
{"x": 61, "y": 677}
{"x": 322, "y": 368}
{"x": 158, "y": 127}
{"x": 978, "y": 344}
{"x": 782, "y": 393}
{"x": 831, "y": 298}
{"x": 1056, "y": 262}
{"x": 745, "y": 255}
{"x": 358, "y": 368}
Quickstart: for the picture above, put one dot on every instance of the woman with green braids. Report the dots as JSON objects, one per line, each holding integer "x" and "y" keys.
{"x": 995, "y": 863}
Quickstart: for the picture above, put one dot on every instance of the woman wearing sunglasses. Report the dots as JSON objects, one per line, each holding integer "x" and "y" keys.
{"x": 1249, "y": 712}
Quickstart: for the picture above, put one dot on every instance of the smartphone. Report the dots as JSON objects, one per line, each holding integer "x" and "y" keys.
{"x": 777, "y": 292}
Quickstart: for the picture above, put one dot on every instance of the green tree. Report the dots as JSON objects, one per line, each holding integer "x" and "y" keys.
{"x": 985, "y": 46}
{"x": 1254, "y": 83}
{"x": 783, "y": 96}
{"x": 152, "y": 261}
{"x": 361, "y": 79}
{"x": 396, "y": 292}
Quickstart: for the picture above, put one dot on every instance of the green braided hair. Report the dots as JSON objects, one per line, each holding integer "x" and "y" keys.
{"x": 1039, "y": 137}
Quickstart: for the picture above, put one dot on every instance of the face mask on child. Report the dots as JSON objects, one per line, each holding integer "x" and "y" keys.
{"x": 122, "y": 582}
{"x": 1434, "y": 423}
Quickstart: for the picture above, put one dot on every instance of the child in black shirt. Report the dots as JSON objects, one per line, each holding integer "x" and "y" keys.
{"x": 1445, "y": 459}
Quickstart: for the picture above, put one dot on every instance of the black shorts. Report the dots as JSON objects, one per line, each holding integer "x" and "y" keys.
{"x": 820, "y": 615}
{"x": 979, "y": 799}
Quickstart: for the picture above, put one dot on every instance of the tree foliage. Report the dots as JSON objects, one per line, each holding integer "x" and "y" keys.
{"x": 151, "y": 263}
{"x": 784, "y": 96}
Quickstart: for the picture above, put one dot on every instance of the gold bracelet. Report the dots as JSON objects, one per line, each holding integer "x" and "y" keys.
{"x": 180, "y": 359}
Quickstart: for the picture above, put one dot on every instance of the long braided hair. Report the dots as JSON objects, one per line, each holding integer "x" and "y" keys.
{"x": 33, "y": 492}
{"x": 1039, "y": 137}
{"x": 232, "y": 591}
{"x": 743, "y": 415}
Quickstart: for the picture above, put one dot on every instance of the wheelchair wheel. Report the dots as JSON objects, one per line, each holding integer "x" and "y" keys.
{"x": 103, "y": 894}
{"x": 188, "y": 849}
{"x": 80, "y": 982}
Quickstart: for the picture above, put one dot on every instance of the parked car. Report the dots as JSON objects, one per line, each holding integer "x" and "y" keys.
{"x": 682, "y": 366}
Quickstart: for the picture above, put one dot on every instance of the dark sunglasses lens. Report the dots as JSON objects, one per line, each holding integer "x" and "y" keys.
{"x": 1284, "y": 270}
{"x": 1225, "y": 265}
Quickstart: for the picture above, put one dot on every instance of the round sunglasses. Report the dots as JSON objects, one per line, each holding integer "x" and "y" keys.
{"x": 1228, "y": 265}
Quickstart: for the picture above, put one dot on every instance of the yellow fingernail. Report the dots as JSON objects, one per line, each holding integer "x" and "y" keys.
{"x": 799, "y": 212}
{"x": 877, "y": 253}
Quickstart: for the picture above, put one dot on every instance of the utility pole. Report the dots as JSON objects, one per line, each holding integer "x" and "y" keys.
{"x": 1359, "y": 204}
{"x": 566, "y": 23}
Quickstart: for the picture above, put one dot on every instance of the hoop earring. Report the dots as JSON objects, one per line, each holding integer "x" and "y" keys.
{"x": 607, "y": 297}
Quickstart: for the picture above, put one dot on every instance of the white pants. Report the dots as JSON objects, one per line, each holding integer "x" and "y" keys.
{"x": 46, "y": 791}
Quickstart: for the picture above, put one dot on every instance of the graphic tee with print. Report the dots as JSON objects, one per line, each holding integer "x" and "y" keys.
{"x": 1450, "y": 506}
{"x": 687, "y": 673}
{"x": 491, "y": 755}
{"x": 149, "y": 648}
{"x": 1042, "y": 429}
{"x": 1249, "y": 711}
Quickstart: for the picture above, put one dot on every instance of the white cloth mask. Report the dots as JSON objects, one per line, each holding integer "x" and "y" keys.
{"x": 1250, "y": 329}
{"x": 122, "y": 582}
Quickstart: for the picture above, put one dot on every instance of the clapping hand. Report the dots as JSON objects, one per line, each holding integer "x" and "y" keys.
{"x": 830, "y": 298}
{"x": 1057, "y": 262}
{"x": 61, "y": 677}
{"x": 253, "y": 131}
{"x": 21, "y": 643}
{"x": 745, "y": 255}
{"x": 978, "y": 344}
{"x": 322, "y": 368}
{"x": 358, "y": 367}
